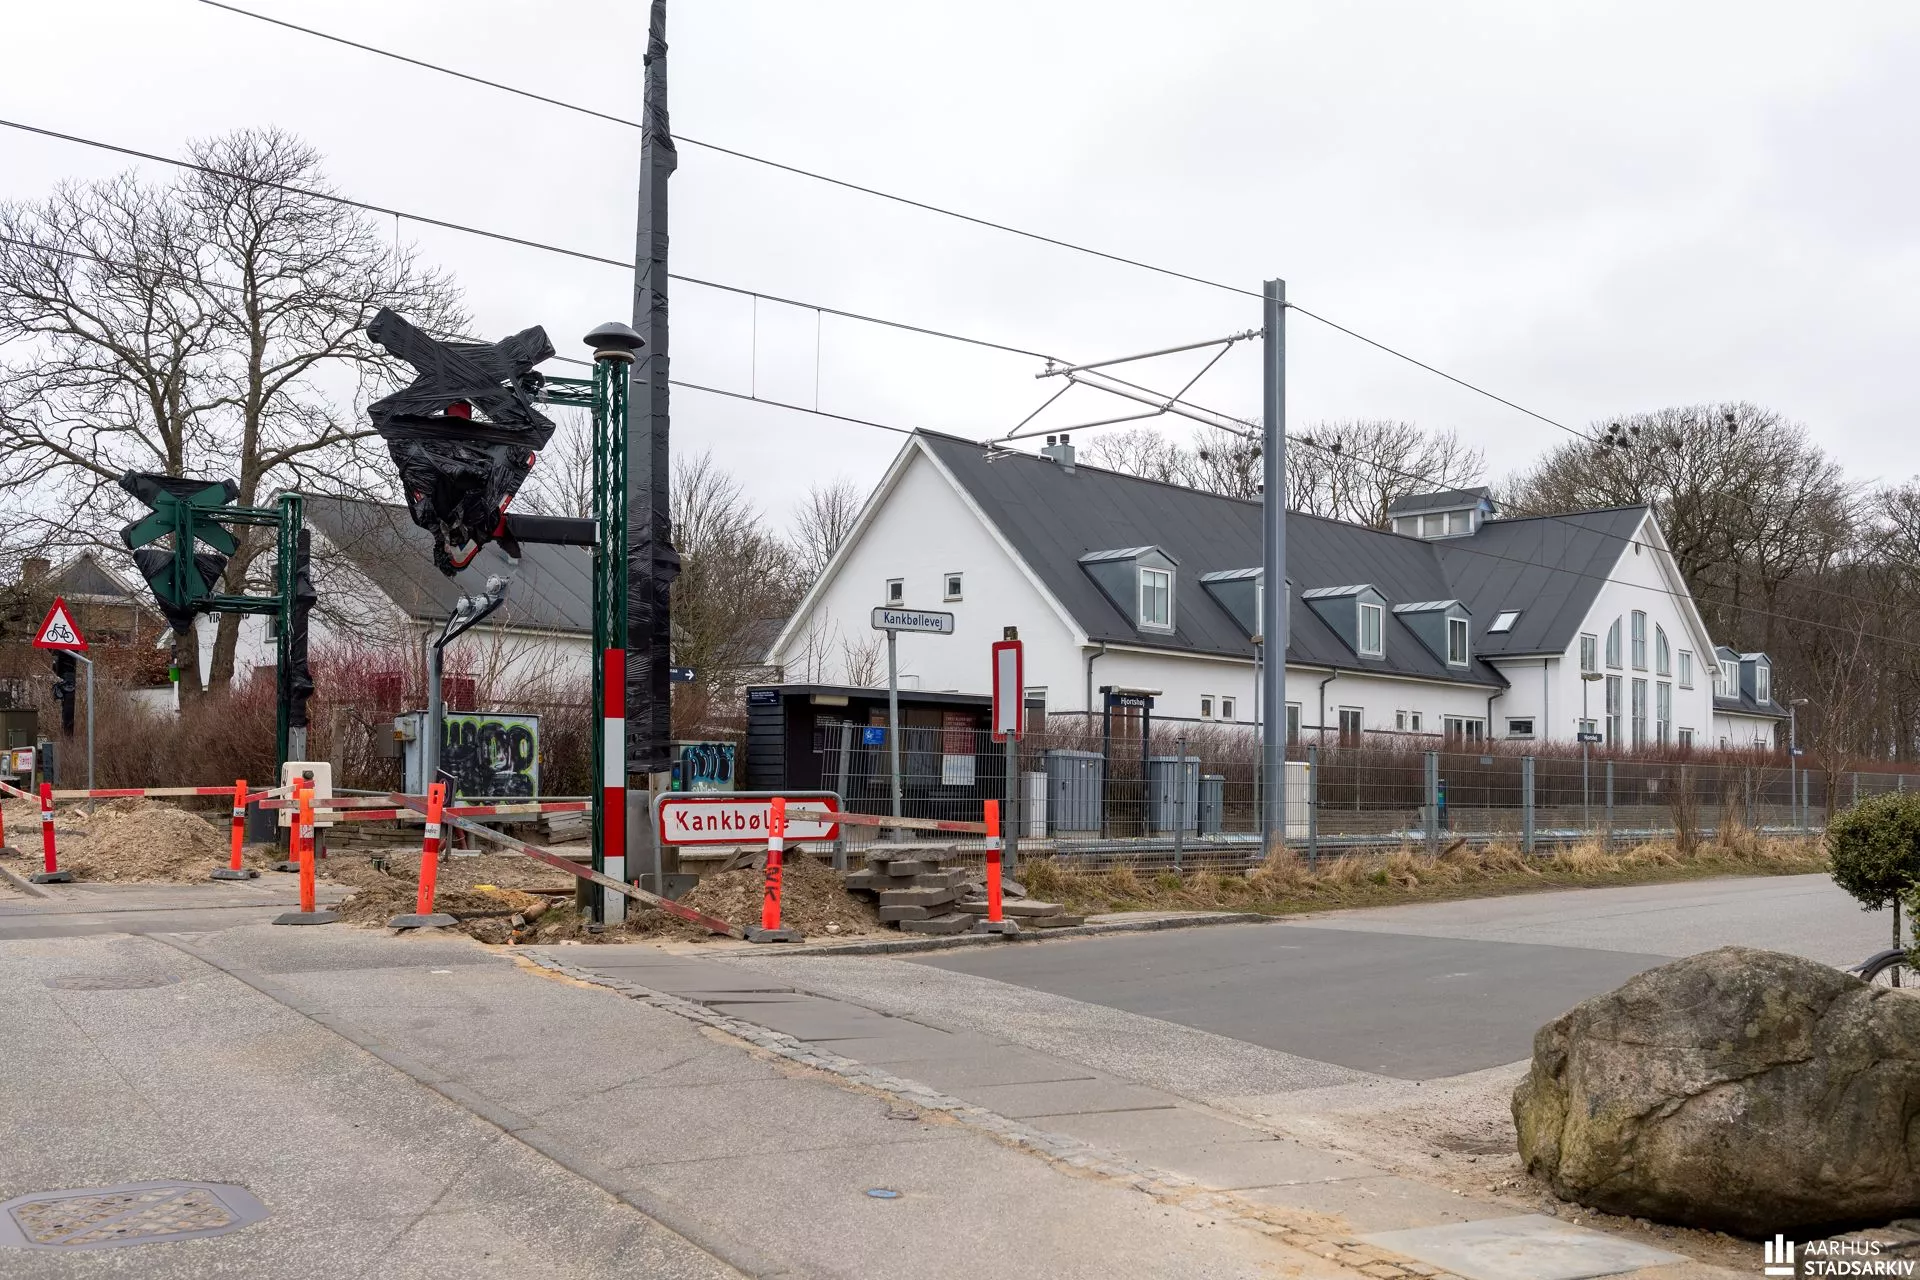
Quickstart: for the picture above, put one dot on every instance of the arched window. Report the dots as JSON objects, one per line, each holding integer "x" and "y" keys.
{"x": 1662, "y": 656}
{"x": 1613, "y": 645}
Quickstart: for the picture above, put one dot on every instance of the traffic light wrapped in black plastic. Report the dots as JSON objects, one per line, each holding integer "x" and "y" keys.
{"x": 464, "y": 433}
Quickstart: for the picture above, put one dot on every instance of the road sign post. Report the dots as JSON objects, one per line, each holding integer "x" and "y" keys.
{"x": 60, "y": 633}
{"x": 893, "y": 621}
{"x": 1009, "y": 726}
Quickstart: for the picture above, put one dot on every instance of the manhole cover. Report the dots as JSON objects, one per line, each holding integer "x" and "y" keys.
{"x": 109, "y": 982}
{"x": 137, "y": 1213}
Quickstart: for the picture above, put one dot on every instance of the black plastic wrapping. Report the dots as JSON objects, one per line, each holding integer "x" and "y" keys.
{"x": 296, "y": 677}
{"x": 652, "y": 563}
{"x": 64, "y": 684}
{"x": 459, "y": 473}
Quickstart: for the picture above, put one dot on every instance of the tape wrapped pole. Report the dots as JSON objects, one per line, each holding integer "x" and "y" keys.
{"x": 303, "y": 833}
{"x": 993, "y": 862}
{"x": 430, "y": 849}
{"x": 776, "y": 847}
{"x": 52, "y": 858}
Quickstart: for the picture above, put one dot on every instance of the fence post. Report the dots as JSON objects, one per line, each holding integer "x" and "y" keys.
{"x": 1180, "y": 801}
{"x": 1856, "y": 786}
{"x": 1313, "y": 808}
{"x": 1609, "y": 805}
{"x": 1010, "y": 841}
{"x": 1749, "y": 790}
{"x": 1526, "y": 804}
{"x": 1806, "y": 800}
{"x": 1433, "y": 801}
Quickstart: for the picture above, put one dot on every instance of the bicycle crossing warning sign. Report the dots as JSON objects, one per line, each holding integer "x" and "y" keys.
{"x": 59, "y": 631}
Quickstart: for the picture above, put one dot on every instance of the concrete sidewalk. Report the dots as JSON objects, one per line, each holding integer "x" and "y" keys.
{"x": 418, "y": 1106}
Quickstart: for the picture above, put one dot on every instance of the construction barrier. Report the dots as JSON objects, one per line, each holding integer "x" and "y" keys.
{"x": 53, "y": 874}
{"x": 884, "y": 820}
{"x": 123, "y": 793}
{"x": 712, "y": 924}
{"x": 770, "y": 929}
{"x": 235, "y": 868}
{"x": 996, "y": 921}
{"x": 424, "y": 916}
{"x": 302, "y": 835}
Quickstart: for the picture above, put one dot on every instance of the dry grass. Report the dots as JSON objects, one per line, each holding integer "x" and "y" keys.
{"x": 1386, "y": 877}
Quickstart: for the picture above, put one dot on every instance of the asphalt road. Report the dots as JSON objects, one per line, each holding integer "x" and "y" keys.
{"x": 1427, "y": 991}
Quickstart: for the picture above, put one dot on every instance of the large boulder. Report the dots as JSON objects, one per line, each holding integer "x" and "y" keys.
{"x": 1740, "y": 1090}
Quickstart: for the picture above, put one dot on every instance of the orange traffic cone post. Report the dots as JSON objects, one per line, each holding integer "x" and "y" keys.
{"x": 770, "y": 929}
{"x": 309, "y": 912}
{"x": 423, "y": 915}
{"x": 996, "y": 921}
{"x": 235, "y": 869}
{"x": 53, "y": 874}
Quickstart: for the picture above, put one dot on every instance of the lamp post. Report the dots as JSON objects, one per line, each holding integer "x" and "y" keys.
{"x": 1586, "y": 787}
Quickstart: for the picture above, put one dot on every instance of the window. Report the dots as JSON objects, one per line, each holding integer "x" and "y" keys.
{"x": 1408, "y": 525}
{"x": 1520, "y": 728}
{"x": 1350, "y": 726}
{"x": 896, "y": 590}
{"x": 1686, "y": 669}
{"x": 1589, "y": 653}
{"x": 1662, "y": 656}
{"x": 1293, "y": 724}
{"x": 1613, "y": 710}
{"x": 1370, "y": 629}
{"x": 1459, "y": 522}
{"x": 1613, "y": 645}
{"x": 1762, "y": 682}
{"x": 1588, "y": 726}
{"x": 1206, "y": 707}
{"x": 1457, "y": 642}
{"x": 1156, "y": 598}
{"x": 1663, "y": 712}
{"x": 953, "y": 586}
{"x": 1503, "y": 622}
{"x": 1463, "y": 728}
{"x": 1226, "y": 708}
{"x": 1413, "y": 722}
{"x": 1400, "y": 721}
{"x": 1686, "y": 737}
{"x": 1639, "y": 641}
{"x": 1639, "y": 712}
{"x": 1729, "y": 678}
{"x": 1433, "y": 526}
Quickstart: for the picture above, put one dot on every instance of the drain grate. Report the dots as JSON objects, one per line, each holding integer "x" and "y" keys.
{"x": 110, "y": 982}
{"x": 137, "y": 1213}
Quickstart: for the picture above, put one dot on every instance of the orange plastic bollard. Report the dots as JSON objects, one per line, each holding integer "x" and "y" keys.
{"x": 770, "y": 929}
{"x": 308, "y": 913}
{"x": 996, "y": 921}
{"x": 235, "y": 869}
{"x": 424, "y": 916}
{"x": 53, "y": 874}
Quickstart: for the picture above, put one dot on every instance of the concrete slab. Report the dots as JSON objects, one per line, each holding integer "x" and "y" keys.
{"x": 1381, "y": 1203}
{"x": 815, "y": 1019}
{"x": 1067, "y": 1097}
{"x": 983, "y": 1063}
{"x": 1230, "y": 1166}
{"x": 1149, "y": 1128}
{"x": 1528, "y": 1246}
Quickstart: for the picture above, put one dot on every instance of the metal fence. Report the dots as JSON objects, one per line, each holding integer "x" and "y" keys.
{"x": 1192, "y": 794}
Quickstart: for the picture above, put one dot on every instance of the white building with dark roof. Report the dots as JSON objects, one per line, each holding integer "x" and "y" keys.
{"x": 1458, "y": 624}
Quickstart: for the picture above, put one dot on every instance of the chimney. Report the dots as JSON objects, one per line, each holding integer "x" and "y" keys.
{"x": 34, "y": 570}
{"x": 1060, "y": 452}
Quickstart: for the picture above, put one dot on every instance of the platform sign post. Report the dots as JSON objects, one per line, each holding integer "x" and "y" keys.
{"x": 1009, "y": 726}
{"x": 893, "y": 622}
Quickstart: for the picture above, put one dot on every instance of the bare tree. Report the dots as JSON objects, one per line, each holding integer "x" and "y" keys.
{"x": 561, "y": 483}
{"x": 1138, "y": 451}
{"x": 210, "y": 327}
{"x": 822, "y": 525}
{"x": 1353, "y": 470}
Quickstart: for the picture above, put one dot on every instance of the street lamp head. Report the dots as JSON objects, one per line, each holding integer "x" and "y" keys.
{"x": 1590, "y": 676}
{"x": 1798, "y": 702}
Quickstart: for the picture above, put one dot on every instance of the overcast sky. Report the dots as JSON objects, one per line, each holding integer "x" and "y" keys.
{"x": 1589, "y": 208}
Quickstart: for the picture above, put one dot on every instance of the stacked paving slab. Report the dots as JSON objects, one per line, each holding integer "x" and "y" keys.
{"x": 919, "y": 891}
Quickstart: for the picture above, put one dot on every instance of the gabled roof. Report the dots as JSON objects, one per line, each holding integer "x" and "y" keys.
{"x": 1051, "y": 517}
{"x": 552, "y": 590}
{"x": 1440, "y": 500}
{"x": 1548, "y": 568}
{"x": 86, "y": 577}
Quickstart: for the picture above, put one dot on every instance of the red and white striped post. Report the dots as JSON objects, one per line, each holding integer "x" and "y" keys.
{"x": 309, "y": 912}
{"x": 770, "y": 929}
{"x": 613, "y": 783}
{"x": 424, "y": 916}
{"x": 235, "y": 869}
{"x": 53, "y": 874}
{"x": 996, "y": 921}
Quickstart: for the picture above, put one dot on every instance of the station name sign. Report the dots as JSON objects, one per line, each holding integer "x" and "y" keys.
{"x": 885, "y": 619}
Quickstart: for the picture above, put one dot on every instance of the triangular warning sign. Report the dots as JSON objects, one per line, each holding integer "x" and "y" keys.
{"x": 59, "y": 631}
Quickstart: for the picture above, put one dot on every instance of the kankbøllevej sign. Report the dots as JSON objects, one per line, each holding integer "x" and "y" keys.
{"x": 717, "y": 818}
{"x": 885, "y": 619}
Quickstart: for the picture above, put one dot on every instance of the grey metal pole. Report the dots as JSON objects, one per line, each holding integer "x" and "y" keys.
{"x": 1313, "y": 808}
{"x": 1609, "y": 804}
{"x": 1433, "y": 801}
{"x": 1526, "y": 804}
{"x": 436, "y": 717}
{"x": 893, "y": 718}
{"x": 89, "y": 661}
{"x": 1010, "y": 820}
{"x": 1586, "y": 790}
{"x": 1273, "y": 540}
{"x": 1180, "y": 800}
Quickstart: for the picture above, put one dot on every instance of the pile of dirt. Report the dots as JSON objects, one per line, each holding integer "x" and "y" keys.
{"x": 812, "y": 897}
{"x": 379, "y": 894}
{"x": 123, "y": 840}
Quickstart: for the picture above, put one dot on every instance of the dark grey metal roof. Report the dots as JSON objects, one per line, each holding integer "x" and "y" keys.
{"x": 85, "y": 576}
{"x": 1053, "y": 517}
{"x": 552, "y": 589}
{"x": 1548, "y": 568}
{"x": 1439, "y": 500}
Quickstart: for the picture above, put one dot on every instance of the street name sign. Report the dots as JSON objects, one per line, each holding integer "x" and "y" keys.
{"x": 715, "y": 818}
{"x": 886, "y": 619}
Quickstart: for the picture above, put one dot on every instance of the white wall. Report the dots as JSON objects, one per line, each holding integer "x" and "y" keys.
{"x": 1746, "y": 731}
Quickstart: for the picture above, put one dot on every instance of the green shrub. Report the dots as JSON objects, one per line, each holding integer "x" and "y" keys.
{"x": 1874, "y": 848}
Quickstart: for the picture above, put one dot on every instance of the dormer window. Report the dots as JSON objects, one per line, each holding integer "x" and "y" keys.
{"x": 1371, "y": 616}
{"x": 1729, "y": 678}
{"x": 1762, "y": 682}
{"x": 1156, "y": 598}
{"x": 1457, "y": 642}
